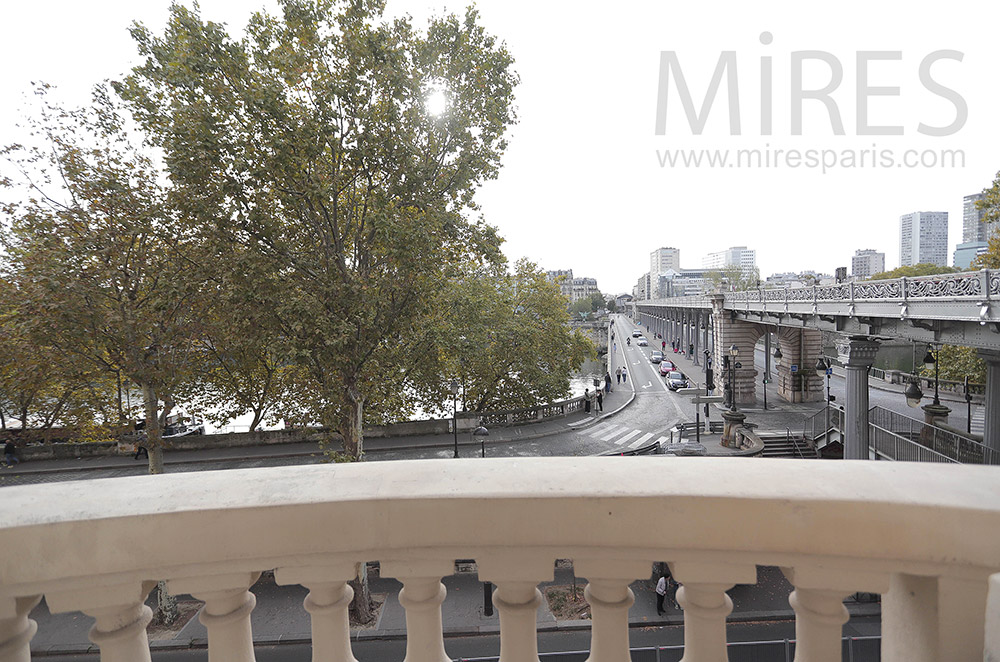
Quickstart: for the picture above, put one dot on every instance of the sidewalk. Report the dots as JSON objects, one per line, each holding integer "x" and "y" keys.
{"x": 279, "y": 617}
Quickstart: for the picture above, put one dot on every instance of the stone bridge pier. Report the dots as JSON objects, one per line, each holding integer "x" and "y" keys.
{"x": 799, "y": 347}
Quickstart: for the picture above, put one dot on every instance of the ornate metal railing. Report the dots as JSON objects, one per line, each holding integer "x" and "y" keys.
{"x": 984, "y": 284}
{"x": 926, "y": 537}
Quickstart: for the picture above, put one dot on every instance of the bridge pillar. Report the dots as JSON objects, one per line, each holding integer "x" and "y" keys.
{"x": 857, "y": 355}
{"x": 991, "y": 423}
{"x": 800, "y": 348}
{"x": 729, "y": 331}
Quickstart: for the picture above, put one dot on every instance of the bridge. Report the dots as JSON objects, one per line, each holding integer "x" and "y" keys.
{"x": 957, "y": 309}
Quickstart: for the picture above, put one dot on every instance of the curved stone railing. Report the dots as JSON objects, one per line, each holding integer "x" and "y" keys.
{"x": 925, "y": 536}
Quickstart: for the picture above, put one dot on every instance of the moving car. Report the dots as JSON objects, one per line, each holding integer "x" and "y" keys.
{"x": 642, "y": 342}
{"x": 676, "y": 380}
{"x": 656, "y": 357}
{"x": 636, "y": 334}
{"x": 667, "y": 367}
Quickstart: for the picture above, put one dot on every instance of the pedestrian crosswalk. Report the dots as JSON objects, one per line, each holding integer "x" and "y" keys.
{"x": 622, "y": 435}
{"x": 978, "y": 419}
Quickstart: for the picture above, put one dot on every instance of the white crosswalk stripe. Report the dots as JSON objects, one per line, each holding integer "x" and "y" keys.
{"x": 641, "y": 440}
{"x": 602, "y": 428}
{"x": 662, "y": 440}
{"x": 631, "y": 434}
{"x": 614, "y": 433}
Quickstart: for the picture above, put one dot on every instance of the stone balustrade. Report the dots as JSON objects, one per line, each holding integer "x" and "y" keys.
{"x": 925, "y": 536}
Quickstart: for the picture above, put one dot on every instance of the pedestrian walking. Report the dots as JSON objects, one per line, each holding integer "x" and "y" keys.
{"x": 607, "y": 382}
{"x": 624, "y": 375}
{"x": 661, "y": 593}
{"x": 600, "y": 400}
{"x": 586, "y": 400}
{"x": 618, "y": 375}
{"x": 10, "y": 454}
{"x": 663, "y": 345}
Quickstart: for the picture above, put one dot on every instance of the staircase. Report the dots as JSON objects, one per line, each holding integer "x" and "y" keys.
{"x": 787, "y": 446}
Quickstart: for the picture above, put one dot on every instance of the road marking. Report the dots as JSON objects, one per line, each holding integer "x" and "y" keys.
{"x": 641, "y": 440}
{"x": 603, "y": 428}
{"x": 615, "y": 433}
{"x": 619, "y": 442}
{"x": 661, "y": 440}
{"x": 648, "y": 385}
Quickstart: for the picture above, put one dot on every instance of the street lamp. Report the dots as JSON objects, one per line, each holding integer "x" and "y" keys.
{"x": 777, "y": 352}
{"x": 734, "y": 351}
{"x": 913, "y": 393}
{"x": 482, "y": 433}
{"x": 930, "y": 360}
{"x": 454, "y": 411}
{"x": 823, "y": 367}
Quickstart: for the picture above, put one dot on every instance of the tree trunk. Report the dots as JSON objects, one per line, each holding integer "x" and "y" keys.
{"x": 166, "y": 605}
{"x": 352, "y": 426}
{"x": 362, "y": 609}
{"x": 154, "y": 437}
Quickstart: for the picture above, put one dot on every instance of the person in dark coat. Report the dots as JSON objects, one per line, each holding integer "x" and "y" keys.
{"x": 586, "y": 400}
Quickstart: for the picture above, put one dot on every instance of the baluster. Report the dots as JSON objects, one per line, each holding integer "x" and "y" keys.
{"x": 517, "y": 598}
{"x": 610, "y": 598}
{"x": 421, "y": 597}
{"x": 226, "y": 615}
{"x": 820, "y": 614}
{"x": 934, "y": 618}
{"x": 327, "y": 603}
{"x": 120, "y": 616}
{"x": 992, "y": 643}
{"x": 706, "y": 605}
{"x": 16, "y": 629}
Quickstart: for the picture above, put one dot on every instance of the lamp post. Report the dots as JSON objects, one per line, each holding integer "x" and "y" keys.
{"x": 734, "y": 351}
{"x": 968, "y": 404}
{"x": 931, "y": 360}
{"x": 482, "y": 433}
{"x": 454, "y": 411}
{"x": 934, "y": 412}
{"x": 824, "y": 367}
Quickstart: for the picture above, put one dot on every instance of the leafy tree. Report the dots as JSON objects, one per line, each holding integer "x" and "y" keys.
{"x": 956, "y": 363}
{"x": 990, "y": 204}
{"x": 99, "y": 259}
{"x": 734, "y": 278}
{"x": 922, "y": 269}
{"x": 505, "y": 337}
{"x": 310, "y": 143}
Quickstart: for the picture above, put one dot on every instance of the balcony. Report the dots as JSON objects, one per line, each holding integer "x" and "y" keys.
{"x": 926, "y": 536}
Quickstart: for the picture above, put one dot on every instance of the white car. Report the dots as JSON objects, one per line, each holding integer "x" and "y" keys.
{"x": 642, "y": 342}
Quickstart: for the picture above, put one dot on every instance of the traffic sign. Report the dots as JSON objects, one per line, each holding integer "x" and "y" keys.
{"x": 795, "y": 368}
{"x": 829, "y": 371}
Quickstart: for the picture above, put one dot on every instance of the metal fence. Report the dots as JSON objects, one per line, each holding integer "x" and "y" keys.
{"x": 853, "y": 649}
{"x": 891, "y": 429}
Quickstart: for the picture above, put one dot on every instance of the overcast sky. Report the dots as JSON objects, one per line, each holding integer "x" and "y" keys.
{"x": 582, "y": 185}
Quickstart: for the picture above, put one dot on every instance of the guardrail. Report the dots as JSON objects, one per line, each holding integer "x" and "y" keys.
{"x": 532, "y": 414}
{"x": 983, "y": 284}
{"x": 926, "y": 537}
{"x": 942, "y": 442}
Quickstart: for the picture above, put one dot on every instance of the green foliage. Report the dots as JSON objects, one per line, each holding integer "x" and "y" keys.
{"x": 308, "y": 144}
{"x": 734, "y": 278}
{"x": 956, "y": 363}
{"x": 922, "y": 269}
{"x": 504, "y": 336}
{"x": 990, "y": 204}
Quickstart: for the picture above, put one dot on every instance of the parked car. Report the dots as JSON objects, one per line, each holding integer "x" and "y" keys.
{"x": 676, "y": 380}
{"x": 656, "y": 357}
{"x": 642, "y": 342}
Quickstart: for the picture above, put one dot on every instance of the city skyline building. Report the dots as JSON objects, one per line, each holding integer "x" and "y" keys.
{"x": 973, "y": 228}
{"x": 662, "y": 260}
{"x": 866, "y": 262}
{"x": 735, "y": 256}
{"x": 923, "y": 238}
{"x": 571, "y": 287}
{"x": 966, "y": 252}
